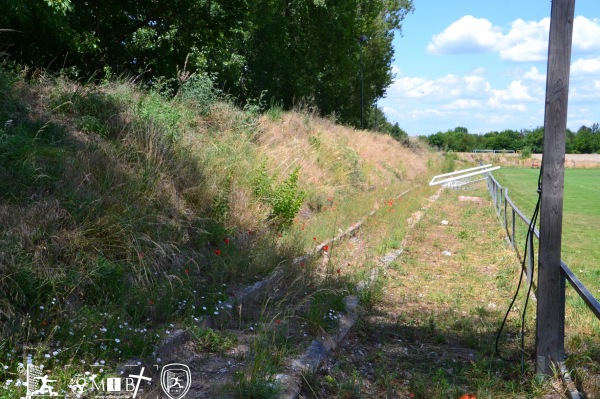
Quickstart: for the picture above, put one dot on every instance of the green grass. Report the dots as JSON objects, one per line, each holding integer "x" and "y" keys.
{"x": 581, "y": 216}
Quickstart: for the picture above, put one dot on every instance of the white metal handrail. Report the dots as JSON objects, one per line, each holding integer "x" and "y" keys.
{"x": 460, "y": 174}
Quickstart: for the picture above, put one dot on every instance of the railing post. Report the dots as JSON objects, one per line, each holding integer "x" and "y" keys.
{"x": 512, "y": 238}
{"x": 505, "y": 210}
{"x": 496, "y": 197}
{"x": 499, "y": 209}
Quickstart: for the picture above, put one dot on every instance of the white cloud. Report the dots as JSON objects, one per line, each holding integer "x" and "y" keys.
{"x": 586, "y": 34}
{"x": 396, "y": 70}
{"x": 516, "y": 90}
{"x": 469, "y": 92}
{"x": 590, "y": 66}
{"x": 441, "y": 89}
{"x": 423, "y": 106}
{"x": 467, "y": 35}
{"x": 464, "y": 104}
{"x": 428, "y": 112}
{"x": 525, "y": 41}
{"x": 534, "y": 75}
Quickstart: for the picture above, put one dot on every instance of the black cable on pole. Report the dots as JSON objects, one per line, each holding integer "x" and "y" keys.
{"x": 530, "y": 232}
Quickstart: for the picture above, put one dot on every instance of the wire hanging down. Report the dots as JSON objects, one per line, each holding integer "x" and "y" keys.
{"x": 530, "y": 233}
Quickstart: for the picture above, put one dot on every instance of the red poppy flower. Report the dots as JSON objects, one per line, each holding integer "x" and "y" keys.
{"x": 226, "y": 241}
{"x": 217, "y": 252}
{"x": 301, "y": 264}
{"x": 187, "y": 271}
{"x": 277, "y": 321}
{"x": 326, "y": 248}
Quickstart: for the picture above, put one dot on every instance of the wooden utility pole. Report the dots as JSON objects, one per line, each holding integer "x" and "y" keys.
{"x": 551, "y": 283}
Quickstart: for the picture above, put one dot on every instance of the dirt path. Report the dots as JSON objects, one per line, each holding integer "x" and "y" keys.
{"x": 433, "y": 333}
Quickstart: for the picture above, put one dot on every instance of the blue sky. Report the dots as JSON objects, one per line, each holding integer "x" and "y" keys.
{"x": 481, "y": 64}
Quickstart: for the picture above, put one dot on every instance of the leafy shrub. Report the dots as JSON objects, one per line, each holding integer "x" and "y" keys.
{"x": 525, "y": 152}
{"x": 285, "y": 199}
{"x": 200, "y": 90}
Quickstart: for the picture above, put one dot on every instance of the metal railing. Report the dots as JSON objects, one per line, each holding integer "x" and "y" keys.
{"x": 508, "y": 212}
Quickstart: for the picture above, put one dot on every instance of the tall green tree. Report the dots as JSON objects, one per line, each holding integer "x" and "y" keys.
{"x": 151, "y": 37}
{"x": 310, "y": 51}
{"x": 292, "y": 51}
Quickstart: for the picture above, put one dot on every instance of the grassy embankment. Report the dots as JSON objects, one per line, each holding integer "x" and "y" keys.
{"x": 126, "y": 214}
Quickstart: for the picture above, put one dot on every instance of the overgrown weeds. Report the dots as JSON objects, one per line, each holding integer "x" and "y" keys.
{"x": 126, "y": 214}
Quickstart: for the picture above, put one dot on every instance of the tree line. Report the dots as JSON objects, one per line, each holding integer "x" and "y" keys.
{"x": 288, "y": 52}
{"x": 586, "y": 140}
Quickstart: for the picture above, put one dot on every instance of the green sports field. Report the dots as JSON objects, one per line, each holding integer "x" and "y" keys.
{"x": 581, "y": 217}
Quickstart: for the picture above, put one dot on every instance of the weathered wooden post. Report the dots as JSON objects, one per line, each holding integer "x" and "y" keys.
{"x": 550, "y": 289}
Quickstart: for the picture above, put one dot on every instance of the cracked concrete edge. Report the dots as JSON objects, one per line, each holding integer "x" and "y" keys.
{"x": 317, "y": 352}
{"x": 568, "y": 382}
